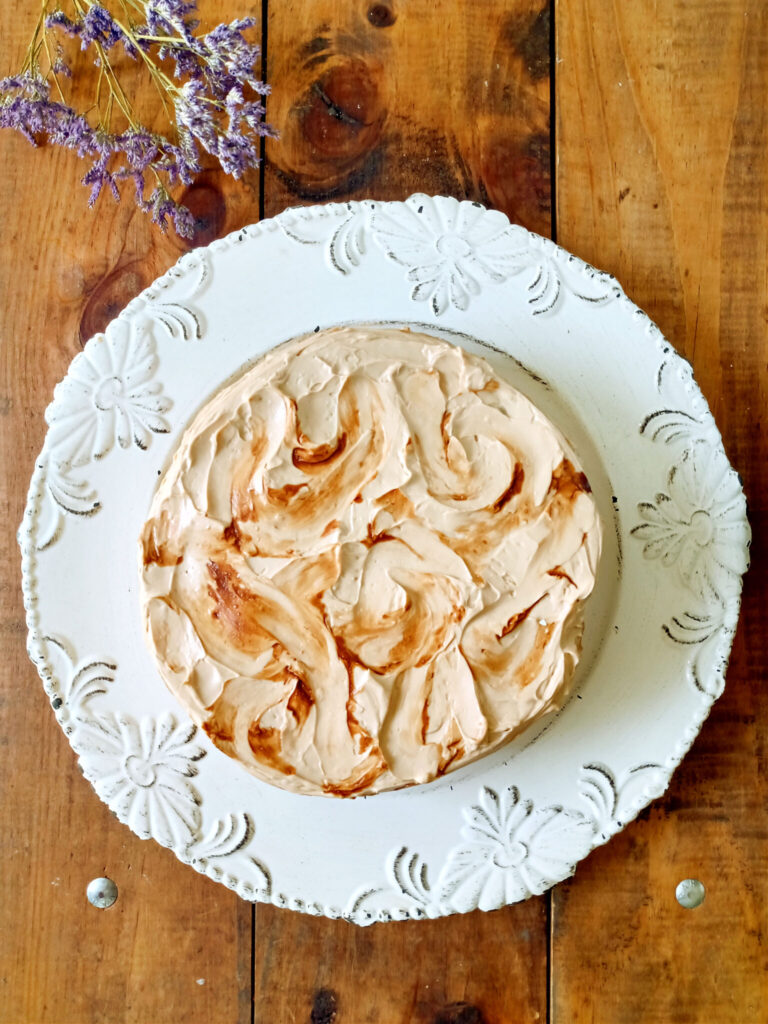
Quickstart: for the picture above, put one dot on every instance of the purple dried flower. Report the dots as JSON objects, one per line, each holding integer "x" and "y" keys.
{"x": 195, "y": 113}
{"x": 253, "y": 115}
{"x": 131, "y": 49}
{"x": 234, "y": 99}
{"x": 163, "y": 208}
{"x": 175, "y": 9}
{"x": 32, "y": 86}
{"x": 170, "y": 18}
{"x": 58, "y": 19}
{"x": 23, "y": 116}
{"x": 97, "y": 177}
{"x": 237, "y": 153}
{"x": 214, "y": 105}
{"x": 230, "y": 59}
{"x": 139, "y": 148}
{"x": 60, "y": 67}
{"x": 183, "y": 221}
{"x": 32, "y": 114}
{"x": 184, "y": 159}
{"x": 187, "y": 62}
{"x": 99, "y": 27}
{"x": 71, "y": 130}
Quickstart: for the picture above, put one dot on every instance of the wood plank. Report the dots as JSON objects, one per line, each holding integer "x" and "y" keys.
{"x": 479, "y": 968}
{"x": 662, "y": 146}
{"x": 175, "y": 946}
{"x": 381, "y": 100}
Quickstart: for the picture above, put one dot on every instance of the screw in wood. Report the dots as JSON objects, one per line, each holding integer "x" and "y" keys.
{"x": 101, "y": 893}
{"x": 690, "y": 893}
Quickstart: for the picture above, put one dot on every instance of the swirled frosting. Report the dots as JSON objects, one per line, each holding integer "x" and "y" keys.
{"x": 366, "y": 562}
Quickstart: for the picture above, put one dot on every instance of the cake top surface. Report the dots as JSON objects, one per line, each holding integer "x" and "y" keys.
{"x": 365, "y": 564}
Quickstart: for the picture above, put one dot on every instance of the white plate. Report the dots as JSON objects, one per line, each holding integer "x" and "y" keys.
{"x": 659, "y": 626}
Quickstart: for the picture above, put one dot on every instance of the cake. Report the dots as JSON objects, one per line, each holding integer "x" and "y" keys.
{"x": 366, "y": 564}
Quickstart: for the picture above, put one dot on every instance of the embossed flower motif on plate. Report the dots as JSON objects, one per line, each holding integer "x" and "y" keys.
{"x": 557, "y": 326}
{"x": 142, "y": 770}
{"x": 700, "y": 524}
{"x": 107, "y": 397}
{"x": 449, "y": 247}
{"x": 513, "y": 850}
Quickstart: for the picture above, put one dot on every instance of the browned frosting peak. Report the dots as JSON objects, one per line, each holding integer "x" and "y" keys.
{"x": 365, "y": 564}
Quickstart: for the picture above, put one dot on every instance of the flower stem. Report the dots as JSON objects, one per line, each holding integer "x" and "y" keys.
{"x": 201, "y": 79}
{"x": 162, "y": 82}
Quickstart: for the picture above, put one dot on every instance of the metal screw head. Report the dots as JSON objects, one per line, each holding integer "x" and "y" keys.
{"x": 690, "y": 893}
{"x": 101, "y": 892}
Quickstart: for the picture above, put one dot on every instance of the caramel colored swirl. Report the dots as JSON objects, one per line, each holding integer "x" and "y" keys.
{"x": 366, "y": 563}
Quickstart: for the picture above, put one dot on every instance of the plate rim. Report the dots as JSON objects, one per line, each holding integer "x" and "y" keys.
{"x": 339, "y": 215}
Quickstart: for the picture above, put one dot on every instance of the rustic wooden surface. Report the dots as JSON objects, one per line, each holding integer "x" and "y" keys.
{"x": 661, "y": 146}
{"x": 176, "y": 946}
{"x": 662, "y": 141}
{"x": 383, "y": 99}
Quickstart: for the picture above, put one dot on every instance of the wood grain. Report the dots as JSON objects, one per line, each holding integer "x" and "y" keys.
{"x": 470, "y": 969}
{"x": 662, "y": 155}
{"x": 381, "y": 100}
{"x": 662, "y": 140}
{"x": 175, "y": 946}
{"x": 384, "y": 99}
{"x": 66, "y": 274}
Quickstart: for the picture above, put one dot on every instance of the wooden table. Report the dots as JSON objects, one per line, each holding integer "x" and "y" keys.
{"x": 636, "y": 134}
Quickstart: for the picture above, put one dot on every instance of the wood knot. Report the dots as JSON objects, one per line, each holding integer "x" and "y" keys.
{"x": 530, "y": 35}
{"x": 330, "y": 135}
{"x": 324, "y": 1007}
{"x": 460, "y": 1013}
{"x": 381, "y": 15}
{"x": 206, "y": 203}
{"x": 516, "y": 176}
{"x": 344, "y": 114}
{"x": 110, "y": 296}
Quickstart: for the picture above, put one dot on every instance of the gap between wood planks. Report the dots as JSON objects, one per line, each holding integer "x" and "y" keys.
{"x": 550, "y": 985}
{"x": 262, "y": 186}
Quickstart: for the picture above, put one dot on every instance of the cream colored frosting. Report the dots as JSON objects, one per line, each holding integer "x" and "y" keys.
{"x": 365, "y": 564}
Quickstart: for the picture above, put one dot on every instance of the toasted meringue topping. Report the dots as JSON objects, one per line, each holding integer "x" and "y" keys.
{"x": 366, "y": 562}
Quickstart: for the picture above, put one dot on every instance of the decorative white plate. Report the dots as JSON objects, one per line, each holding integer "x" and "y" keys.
{"x": 659, "y": 626}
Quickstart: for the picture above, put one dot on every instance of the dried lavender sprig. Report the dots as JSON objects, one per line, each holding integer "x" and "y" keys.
{"x": 215, "y": 99}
